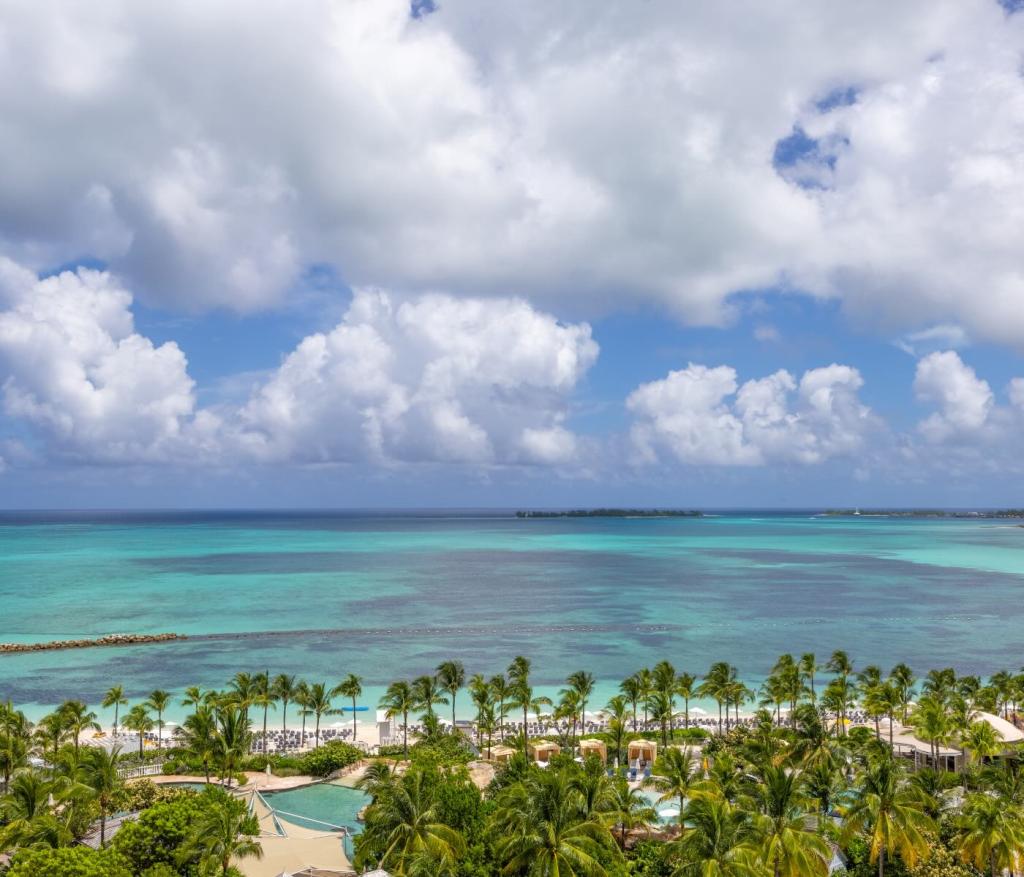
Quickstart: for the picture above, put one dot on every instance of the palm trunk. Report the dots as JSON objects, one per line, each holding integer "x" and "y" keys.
{"x": 103, "y": 828}
{"x": 316, "y": 736}
{"x": 302, "y": 738}
{"x": 526, "y": 736}
{"x": 353, "y": 718}
{"x": 719, "y": 718}
{"x": 687, "y": 717}
{"x": 881, "y": 862}
{"x": 160, "y": 730}
{"x": 405, "y": 733}
{"x": 264, "y": 731}
{"x": 140, "y": 745}
{"x": 453, "y": 712}
{"x": 284, "y": 715}
{"x": 116, "y": 708}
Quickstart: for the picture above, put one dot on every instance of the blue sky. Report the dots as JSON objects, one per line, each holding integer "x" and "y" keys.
{"x": 418, "y": 257}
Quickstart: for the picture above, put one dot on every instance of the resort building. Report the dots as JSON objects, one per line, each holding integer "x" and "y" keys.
{"x": 950, "y": 757}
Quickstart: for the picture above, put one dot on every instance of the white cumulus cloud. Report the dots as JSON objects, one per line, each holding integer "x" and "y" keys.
{"x": 700, "y": 415}
{"x": 964, "y": 400}
{"x": 540, "y": 150}
{"x": 72, "y": 365}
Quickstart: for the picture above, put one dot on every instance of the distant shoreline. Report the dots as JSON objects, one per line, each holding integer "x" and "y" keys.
{"x": 612, "y": 513}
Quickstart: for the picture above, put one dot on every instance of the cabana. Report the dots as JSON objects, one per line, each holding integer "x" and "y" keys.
{"x": 544, "y": 750}
{"x": 644, "y": 751}
{"x": 594, "y": 748}
{"x": 502, "y": 754}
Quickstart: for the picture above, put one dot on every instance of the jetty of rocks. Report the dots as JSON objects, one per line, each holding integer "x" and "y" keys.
{"x": 114, "y": 639}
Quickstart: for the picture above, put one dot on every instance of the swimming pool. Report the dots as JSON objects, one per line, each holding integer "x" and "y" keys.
{"x": 319, "y": 806}
{"x": 668, "y": 811}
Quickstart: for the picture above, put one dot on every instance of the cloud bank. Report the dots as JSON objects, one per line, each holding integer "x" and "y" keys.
{"x": 670, "y": 156}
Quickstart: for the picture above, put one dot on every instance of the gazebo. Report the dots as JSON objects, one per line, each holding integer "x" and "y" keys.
{"x": 594, "y": 748}
{"x": 543, "y": 750}
{"x": 644, "y": 751}
{"x": 502, "y": 754}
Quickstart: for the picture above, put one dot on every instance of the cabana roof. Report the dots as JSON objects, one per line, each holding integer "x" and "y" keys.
{"x": 1007, "y": 731}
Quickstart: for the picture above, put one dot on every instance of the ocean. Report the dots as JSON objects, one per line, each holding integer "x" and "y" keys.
{"x": 388, "y": 596}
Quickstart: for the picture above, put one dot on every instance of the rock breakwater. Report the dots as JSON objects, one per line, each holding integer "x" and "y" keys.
{"x": 114, "y": 639}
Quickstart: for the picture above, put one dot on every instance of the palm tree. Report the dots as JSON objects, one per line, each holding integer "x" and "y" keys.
{"x": 991, "y": 834}
{"x": 808, "y": 665}
{"x": 428, "y": 693}
{"x": 582, "y": 683}
{"x": 301, "y": 698}
{"x": 77, "y": 718}
{"x": 721, "y": 841}
{"x": 627, "y": 809}
{"x": 451, "y": 676}
{"x": 15, "y": 741}
{"x": 52, "y": 730}
{"x": 616, "y": 708}
{"x": 686, "y": 688}
{"x": 903, "y": 678}
{"x": 645, "y": 680}
{"x": 407, "y": 823}
{"x": 234, "y": 739}
{"x": 194, "y": 697}
{"x": 790, "y": 849}
{"x": 284, "y": 689}
{"x": 399, "y": 699}
{"x": 521, "y": 697}
{"x": 633, "y": 692}
{"x": 679, "y": 776}
{"x": 716, "y": 685}
{"x": 931, "y": 723}
{"x": 222, "y": 833}
{"x": 242, "y": 690}
{"x": 888, "y": 813}
{"x": 158, "y": 701}
{"x": 841, "y": 665}
{"x": 501, "y": 691}
{"x": 139, "y": 721}
{"x": 480, "y": 694}
{"x": 263, "y": 696}
{"x": 542, "y": 829}
{"x": 318, "y": 704}
{"x": 26, "y": 813}
{"x": 981, "y": 740}
{"x": 115, "y": 698}
{"x": 98, "y": 772}
{"x": 200, "y": 737}
{"x": 661, "y": 711}
{"x": 351, "y": 687}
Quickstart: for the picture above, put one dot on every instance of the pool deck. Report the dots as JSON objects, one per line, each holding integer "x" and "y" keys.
{"x": 299, "y": 848}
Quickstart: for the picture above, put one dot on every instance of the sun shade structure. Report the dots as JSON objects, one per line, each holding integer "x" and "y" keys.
{"x": 544, "y": 750}
{"x": 642, "y": 750}
{"x": 502, "y": 754}
{"x": 596, "y": 748}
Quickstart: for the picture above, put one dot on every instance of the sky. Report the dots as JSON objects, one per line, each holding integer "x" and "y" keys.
{"x": 448, "y": 254}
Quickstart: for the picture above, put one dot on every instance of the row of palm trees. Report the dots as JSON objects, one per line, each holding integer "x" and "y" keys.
{"x": 246, "y": 692}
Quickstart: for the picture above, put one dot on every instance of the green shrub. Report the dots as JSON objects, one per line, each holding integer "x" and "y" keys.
{"x": 69, "y": 862}
{"x": 329, "y": 758}
{"x": 142, "y": 794}
{"x": 154, "y": 837}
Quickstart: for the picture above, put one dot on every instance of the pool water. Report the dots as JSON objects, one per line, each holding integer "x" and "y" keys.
{"x": 668, "y": 811}
{"x": 313, "y": 806}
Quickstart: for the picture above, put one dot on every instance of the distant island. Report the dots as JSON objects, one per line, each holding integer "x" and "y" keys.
{"x": 612, "y": 513}
{"x": 926, "y": 513}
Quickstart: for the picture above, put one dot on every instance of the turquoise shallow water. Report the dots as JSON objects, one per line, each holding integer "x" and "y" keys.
{"x": 385, "y": 596}
{"x": 312, "y": 806}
